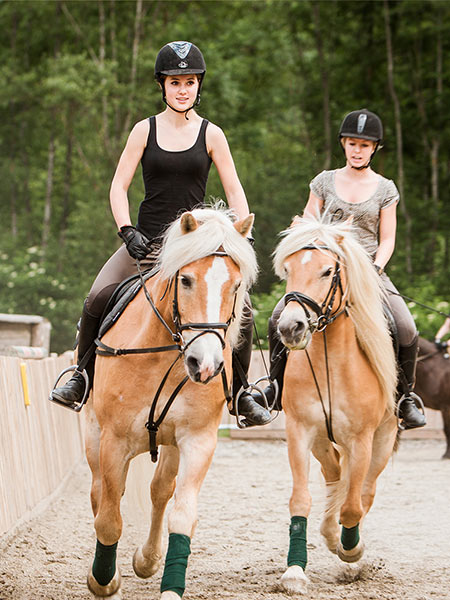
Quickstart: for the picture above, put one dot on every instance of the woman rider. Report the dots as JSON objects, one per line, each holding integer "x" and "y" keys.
{"x": 357, "y": 191}
{"x": 176, "y": 148}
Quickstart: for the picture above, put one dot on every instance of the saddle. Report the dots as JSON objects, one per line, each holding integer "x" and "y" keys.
{"x": 125, "y": 292}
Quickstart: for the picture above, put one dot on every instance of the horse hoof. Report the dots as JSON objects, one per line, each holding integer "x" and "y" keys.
{"x": 109, "y": 590}
{"x": 350, "y": 556}
{"x": 143, "y": 567}
{"x": 294, "y": 580}
{"x": 168, "y": 595}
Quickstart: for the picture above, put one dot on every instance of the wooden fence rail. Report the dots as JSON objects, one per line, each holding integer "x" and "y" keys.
{"x": 40, "y": 442}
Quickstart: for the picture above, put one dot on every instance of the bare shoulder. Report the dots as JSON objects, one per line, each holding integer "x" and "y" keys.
{"x": 140, "y": 131}
{"x": 214, "y": 133}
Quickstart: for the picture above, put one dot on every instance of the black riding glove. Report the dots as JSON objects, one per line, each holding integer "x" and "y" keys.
{"x": 138, "y": 245}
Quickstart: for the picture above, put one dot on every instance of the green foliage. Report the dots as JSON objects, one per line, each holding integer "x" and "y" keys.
{"x": 72, "y": 89}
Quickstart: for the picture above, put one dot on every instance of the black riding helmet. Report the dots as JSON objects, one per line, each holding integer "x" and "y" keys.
{"x": 365, "y": 125}
{"x": 180, "y": 58}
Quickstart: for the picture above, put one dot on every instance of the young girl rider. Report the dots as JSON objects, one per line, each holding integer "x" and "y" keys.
{"x": 357, "y": 191}
{"x": 176, "y": 148}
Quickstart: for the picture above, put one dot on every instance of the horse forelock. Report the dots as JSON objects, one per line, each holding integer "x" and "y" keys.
{"x": 365, "y": 292}
{"x": 215, "y": 231}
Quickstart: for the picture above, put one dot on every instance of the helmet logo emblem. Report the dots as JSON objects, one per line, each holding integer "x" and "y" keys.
{"x": 181, "y": 49}
{"x": 362, "y": 118}
{"x": 182, "y": 64}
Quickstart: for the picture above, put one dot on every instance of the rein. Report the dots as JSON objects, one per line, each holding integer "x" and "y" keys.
{"x": 103, "y": 349}
{"x": 325, "y": 316}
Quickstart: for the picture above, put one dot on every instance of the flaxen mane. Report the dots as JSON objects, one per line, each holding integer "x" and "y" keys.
{"x": 365, "y": 291}
{"x": 215, "y": 231}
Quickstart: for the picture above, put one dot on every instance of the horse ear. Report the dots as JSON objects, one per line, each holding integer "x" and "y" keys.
{"x": 244, "y": 226}
{"x": 296, "y": 220}
{"x": 347, "y": 224}
{"x": 188, "y": 223}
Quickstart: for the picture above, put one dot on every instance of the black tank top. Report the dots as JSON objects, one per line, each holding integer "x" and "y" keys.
{"x": 174, "y": 181}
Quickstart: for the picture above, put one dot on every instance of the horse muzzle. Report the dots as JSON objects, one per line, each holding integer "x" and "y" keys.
{"x": 294, "y": 334}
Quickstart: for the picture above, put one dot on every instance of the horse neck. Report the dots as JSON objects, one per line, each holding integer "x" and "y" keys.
{"x": 340, "y": 337}
{"x": 151, "y": 331}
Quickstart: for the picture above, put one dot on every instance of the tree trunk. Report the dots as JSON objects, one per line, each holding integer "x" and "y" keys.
{"x": 399, "y": 137}
{"x": 134, "y": 58}
{"x": 48, "y": 195}
{"x": 66, "y": 194}
{"x": 325, "y": 85}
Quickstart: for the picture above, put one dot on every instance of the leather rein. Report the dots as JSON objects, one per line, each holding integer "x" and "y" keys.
{"x": 324, "y": 316}
{"x": 179, "y": 344}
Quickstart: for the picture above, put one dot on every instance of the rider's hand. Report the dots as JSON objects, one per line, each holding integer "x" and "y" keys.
{"x": 440, "y": 345}
{"x": 138, "y": 245}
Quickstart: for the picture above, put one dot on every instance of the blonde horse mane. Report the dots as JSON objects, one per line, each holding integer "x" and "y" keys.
{"x": 365, "y": 292}
{"x": 215, "y": 231}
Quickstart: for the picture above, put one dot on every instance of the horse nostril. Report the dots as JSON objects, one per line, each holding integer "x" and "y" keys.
{"x": 299, "y": 327}
{"x": 192, "y": 364}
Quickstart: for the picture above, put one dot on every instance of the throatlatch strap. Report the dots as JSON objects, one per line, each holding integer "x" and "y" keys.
{"x": 297, "y": 543}
{"x": 174, "y": 576}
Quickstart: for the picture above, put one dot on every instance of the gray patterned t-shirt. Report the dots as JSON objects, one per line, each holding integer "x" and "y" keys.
{"x": 366, "y": 214}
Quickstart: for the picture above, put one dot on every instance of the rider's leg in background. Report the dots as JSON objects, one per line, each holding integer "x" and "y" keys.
{"x": 278, "y": 357}
{"x": 408, "y": 339}
{"x": 253, "y": 412}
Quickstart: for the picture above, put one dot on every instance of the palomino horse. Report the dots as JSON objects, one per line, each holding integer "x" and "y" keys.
{"x": 339, "y": 392}
{"x": 192, "y": 307}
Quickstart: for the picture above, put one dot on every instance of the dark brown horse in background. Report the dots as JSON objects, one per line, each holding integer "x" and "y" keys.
{"x": 433, "y": 383}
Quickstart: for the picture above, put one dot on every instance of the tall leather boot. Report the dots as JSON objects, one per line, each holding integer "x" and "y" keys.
{"x": 278, "y": 358}
{"x": 71, "y": 393}
{"x": 254, "y": 413}
{"x": 411, "y": 416}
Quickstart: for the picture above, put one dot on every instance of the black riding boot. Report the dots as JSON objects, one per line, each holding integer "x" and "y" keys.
{"x": 71, "y": 393}
{"x": 254, "y": 413}
{"x": 278, "y": 357}
{"x": 411, "y": 416}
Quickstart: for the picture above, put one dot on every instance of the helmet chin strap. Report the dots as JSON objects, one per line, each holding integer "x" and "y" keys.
{"x": 196, "y": 103}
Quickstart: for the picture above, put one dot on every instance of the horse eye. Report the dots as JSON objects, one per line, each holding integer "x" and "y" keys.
{"x": 185, "y": 281}
{"x": 327, "y": 273}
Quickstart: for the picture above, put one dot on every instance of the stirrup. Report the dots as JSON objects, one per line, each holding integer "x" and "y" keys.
{"x": 75, "y": 406}
{"x": 241, "y": 422}
{"x": 417, "y": 401}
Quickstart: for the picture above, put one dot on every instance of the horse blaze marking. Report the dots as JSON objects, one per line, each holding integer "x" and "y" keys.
{"x": 216, "y": 276}
{"x": 307, "y": 257}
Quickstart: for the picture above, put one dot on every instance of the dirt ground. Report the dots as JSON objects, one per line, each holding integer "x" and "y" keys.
{"x": 240, "y": 547}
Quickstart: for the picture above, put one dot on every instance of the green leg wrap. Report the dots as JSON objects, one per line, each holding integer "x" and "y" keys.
{"x": 174, "y": 575}
{"x": 297, "y": 554}
{"x": 104, "y": 565}
{"x": 349, "y": 537}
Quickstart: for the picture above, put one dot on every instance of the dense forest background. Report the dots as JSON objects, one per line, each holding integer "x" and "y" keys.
{"x": 280, "y": 76}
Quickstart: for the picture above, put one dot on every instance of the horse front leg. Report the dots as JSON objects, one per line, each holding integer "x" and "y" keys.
{"x": 351, "y": 547}
{"x": 195, "y": 458}
{"x": 147, "y": 558}
{"x": 104, "y": 576}
{"x": 329, "y": 460}
{"x": 294, "y": 580}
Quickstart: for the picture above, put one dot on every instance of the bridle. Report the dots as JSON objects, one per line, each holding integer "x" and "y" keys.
{"x": 179, "y": 344}
{"x": 324, "y": 312}
{"x": 324, "y": 316}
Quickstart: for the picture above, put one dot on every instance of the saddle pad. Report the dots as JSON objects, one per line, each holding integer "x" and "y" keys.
{"x": 121, "y": 298}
